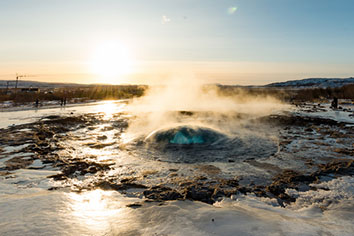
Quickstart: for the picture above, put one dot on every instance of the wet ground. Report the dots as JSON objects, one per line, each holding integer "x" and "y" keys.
{"x": 282, "y": 160}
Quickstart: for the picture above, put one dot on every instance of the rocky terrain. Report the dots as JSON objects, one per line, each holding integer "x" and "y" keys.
{"x": 89, "y": 153}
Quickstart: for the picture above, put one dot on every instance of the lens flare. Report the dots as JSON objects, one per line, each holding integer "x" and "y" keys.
{"x": 232, "y": 10}
{"x": 165, "y": 19}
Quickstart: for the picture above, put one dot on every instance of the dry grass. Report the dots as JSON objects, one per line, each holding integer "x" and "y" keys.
{"x": 84, "y": 93}
{"x": 106, "y": 92}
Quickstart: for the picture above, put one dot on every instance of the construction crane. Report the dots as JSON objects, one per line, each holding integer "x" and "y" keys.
{"x": 18, "y": 76}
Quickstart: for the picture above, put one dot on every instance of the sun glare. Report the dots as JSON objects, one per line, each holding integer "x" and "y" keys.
{"x": 110, "y": 61}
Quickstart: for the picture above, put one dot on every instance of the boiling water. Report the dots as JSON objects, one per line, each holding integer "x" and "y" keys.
{"x": 193, "y": 144}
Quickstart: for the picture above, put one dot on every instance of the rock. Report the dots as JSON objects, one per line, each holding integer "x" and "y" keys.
{"x": 203, "y": 194}
{"x": 99, "y": 145}
{"x": 108, "y": 185}
{"x": 53, "y": 188}
{"x": 338, "y": 167}
{"x": 3, "y": 173}
{"x": 103, "y": 137}
{"x": 288, "y": 179}
{"x": 209, "y": 169}
{"x": 58, "y": 177}
{"x": 161, "y": 193}
{"x": 16, "y": 163}
{"x": 134, "y": 205}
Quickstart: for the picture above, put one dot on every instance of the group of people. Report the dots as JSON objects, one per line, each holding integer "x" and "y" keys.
{"x": 63, "y": 101}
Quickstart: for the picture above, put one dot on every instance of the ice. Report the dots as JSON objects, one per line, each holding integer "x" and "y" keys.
{"x": 339, "y": 115}
{"x": 29, "y": 208}
{"x": 327, "y": 193}
{"x": 9, "y": 157}
{"x": 25, "y": 115}
{"x": 37, "y": 164}
{"x": 105, "y": 213}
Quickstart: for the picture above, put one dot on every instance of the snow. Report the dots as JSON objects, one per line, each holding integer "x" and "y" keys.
{"x": 314, "y": 83}
{"x": 29, "y": 208}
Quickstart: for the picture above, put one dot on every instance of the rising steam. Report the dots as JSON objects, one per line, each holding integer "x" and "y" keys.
{"x": 161, "y": 105}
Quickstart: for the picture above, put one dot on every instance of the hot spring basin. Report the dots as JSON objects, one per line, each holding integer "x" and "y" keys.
{"x": 186, "y": 135}
{"x": 193, "y": 144}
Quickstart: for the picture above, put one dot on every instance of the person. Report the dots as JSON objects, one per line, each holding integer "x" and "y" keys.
{"x": 334, "y": 104}
{"x": 64, "y": 99}
{"x": 37, "y": 102}
{"x": 61, "y": 102}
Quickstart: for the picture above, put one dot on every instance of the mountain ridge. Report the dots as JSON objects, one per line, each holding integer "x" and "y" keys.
{"x": 313, "y": 83}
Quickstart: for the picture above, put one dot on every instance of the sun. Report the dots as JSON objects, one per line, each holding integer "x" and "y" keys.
{"x": 110, "y": 61}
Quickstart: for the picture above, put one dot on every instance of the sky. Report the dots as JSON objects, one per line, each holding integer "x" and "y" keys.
{"x": 221, "y": 41}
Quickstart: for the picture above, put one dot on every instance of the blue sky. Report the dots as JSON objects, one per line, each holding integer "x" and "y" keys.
{"x": 265, "y": 39}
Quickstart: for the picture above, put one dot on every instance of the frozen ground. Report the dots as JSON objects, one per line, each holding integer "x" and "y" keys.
{"x": 79, "y": 171}
{"x": 27, "y": 114}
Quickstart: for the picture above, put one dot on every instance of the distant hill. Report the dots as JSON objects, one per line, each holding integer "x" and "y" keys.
{"x": 35, "y": 84}
{"x": 297, "y": 84}
{"x": 313, "y": 83}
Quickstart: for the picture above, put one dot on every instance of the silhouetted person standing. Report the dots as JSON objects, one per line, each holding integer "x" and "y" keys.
{"x": 335, "y": 103}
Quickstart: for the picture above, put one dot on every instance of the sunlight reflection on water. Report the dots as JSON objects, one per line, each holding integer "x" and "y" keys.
{"x": 97, "y": 211}
{"x": 109, "y": 108}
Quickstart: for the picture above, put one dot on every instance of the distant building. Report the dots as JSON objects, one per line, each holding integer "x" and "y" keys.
{"x": 30, "y": 90}
{"x": 8, "y": 92}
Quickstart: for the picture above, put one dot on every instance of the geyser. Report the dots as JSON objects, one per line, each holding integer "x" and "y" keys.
{"x": 186, "y": 135}
{"x": 192, "y": 144}
{"x": 189, "y": 138}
